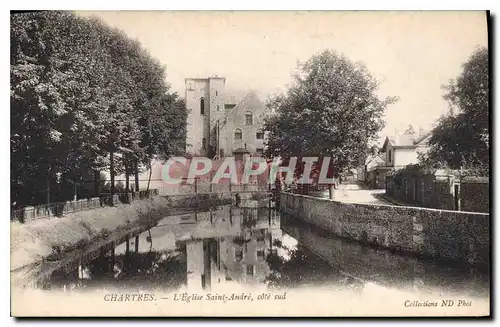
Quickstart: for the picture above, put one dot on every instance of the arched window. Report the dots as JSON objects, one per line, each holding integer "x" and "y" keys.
{"x": 248, "y": 118}
{"x": 238, "y": 134}
{"x": 202, "y": 106}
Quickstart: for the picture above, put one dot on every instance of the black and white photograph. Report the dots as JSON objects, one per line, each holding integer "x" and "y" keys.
{"x": 172, "y": 163}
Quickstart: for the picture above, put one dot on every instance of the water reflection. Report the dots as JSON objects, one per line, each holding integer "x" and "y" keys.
{"x": 298, "y": 266}
{"x": 380, "y": 268}
{"x": 255, "y": 246}
{"x": 198, "y": 250}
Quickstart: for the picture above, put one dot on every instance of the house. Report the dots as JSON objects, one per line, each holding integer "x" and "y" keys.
{"x": 369, "y": 173}
{"x": 404, "y": 149}
{"x": 397, "y": 152}
{"x": 241, "y": 130}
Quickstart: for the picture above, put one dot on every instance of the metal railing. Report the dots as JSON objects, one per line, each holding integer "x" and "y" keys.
{"x": 195, "y": 186}
{"x": 59, "y": 209}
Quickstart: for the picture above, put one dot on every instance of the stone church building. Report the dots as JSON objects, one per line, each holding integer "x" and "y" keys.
{"x": 218, "y": 126}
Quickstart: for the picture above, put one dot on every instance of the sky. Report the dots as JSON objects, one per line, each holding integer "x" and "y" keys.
{"x": 412, "y": 53}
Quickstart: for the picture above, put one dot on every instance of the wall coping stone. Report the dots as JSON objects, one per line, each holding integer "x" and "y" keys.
{"x": 369, "y": 205}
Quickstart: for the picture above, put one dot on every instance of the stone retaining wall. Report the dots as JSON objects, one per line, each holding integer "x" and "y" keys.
{"x": 458, "y": 236}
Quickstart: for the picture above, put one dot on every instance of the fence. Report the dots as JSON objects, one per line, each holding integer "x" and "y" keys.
{"x": 199, "y": 186}
{"x": 195, "y": 186}
{"x": 29, "y": 213}
{"x": 422, "y": 190}
{"x": 440, "y": 191}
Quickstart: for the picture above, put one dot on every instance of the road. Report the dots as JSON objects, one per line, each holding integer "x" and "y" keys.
{"x": 353, "y": 193}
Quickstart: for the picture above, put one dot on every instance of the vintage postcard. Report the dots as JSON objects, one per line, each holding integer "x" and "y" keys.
{"x": 250, "y": 163}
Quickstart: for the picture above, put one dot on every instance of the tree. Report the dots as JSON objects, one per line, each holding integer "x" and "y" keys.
{"x": 371, "y": 151}
{"x": 293, "y": 267}
{"x": 331, "y": 110}
{"x": 462, "y": 140}
{"x": 84, "y": 96}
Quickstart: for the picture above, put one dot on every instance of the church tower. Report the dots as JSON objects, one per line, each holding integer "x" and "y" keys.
{"x": 205, "y": 105}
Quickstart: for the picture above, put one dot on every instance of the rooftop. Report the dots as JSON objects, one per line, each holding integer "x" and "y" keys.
{"x": 405, "y": 140}
{"x": 205, "y": 78}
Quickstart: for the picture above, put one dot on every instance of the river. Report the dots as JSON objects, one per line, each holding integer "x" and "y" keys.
{"x": 258, "y": 248}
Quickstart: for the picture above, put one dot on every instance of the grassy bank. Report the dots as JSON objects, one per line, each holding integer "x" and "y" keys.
{"x": 43, "y": 238}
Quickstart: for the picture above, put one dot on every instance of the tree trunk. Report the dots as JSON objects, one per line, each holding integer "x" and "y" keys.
{"x": 136, "y": 176}
{"x": 128, "y": 171}
{"x": 97, "y": 182}
{"x": 330, "y": 192}
{"x": 112, "y": 173}
{"x": 127, "y": 174}
{"x": 48, "y": 191}
{"x": 127, "y": 185}
{"x": 149, "y": 178}
{"x": 305, "y": 189}
{"x": 151, "y": 241}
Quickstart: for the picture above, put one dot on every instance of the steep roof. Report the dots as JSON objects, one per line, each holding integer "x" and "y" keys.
{"x": 405, "y": 140}
{"x": 424, "y": 137}
{"x": 374, "y": 161}
{"x": 402, "y": 140}
{"x": 250, "y": 99}
{"x": 234, "y": 96}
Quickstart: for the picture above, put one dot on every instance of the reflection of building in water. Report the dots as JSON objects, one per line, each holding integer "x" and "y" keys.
{"x": 195, "y": 261}
{"x": 240, "y": 257}
{"x": 204, "y": 250}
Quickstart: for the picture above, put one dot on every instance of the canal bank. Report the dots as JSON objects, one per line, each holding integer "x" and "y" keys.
{"x": 371, "y": 265}
{"x": 251, "y": 250}
{"x": 118, "y": 253}
{"x": 41, "y": 246}
{"x": 461, "y": 237}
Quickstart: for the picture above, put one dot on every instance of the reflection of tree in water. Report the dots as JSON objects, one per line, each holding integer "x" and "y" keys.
{"x": 149, "y": 270}
{"x": 293, "y": 267}
{"x": 349, "y": 282}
